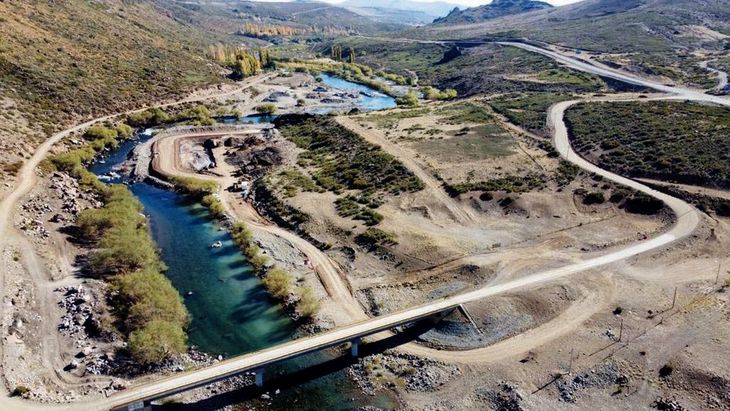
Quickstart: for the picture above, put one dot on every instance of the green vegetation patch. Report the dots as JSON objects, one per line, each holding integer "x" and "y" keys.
{"x": 465, "y": 113}
{"x": 342, "y": 160}
{"x": 675, "y": 141}
{"x": 374, "y": 238}
{"x": 470, "y": 143}
{"x": 148, "y": 309}
{"x": 528, "y": 110}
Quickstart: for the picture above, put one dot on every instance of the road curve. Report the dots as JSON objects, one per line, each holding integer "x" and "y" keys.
{"x": 687, "y": 220}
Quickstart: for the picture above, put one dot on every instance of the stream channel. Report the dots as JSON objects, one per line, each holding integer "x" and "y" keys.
{"x": 231, "y": 312}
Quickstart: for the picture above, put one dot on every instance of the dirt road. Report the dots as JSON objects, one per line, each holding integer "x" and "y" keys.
{"x": 167, "y": 162}
{"x": 42, "y": 285}
{"x": 460, "y": 213}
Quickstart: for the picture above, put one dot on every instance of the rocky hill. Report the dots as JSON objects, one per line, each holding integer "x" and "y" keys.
{"x": 497, "y": 8}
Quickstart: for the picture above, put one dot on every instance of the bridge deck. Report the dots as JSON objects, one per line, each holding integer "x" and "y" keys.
{"x": 249, "y": 362}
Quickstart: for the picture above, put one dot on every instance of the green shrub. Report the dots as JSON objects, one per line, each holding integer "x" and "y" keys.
{"x": 157, "y": 341}
{"x": 214, "y": 205}
{"x": 409, "y": 99}
{"x": 144, "y": 296}
{"x": 195, "y": 187}
{"x": 308, "y": 305}
{"x": 268, "y": 108}
{"x": 375, "y": 237}
{"x": 20, "y": 391}
{"x": 641, "y": 203}
{"x": 278, "y": 282}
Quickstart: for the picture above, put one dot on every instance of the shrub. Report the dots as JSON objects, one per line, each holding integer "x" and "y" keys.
{"x": 144, "y": 296}
{"x": 643, "y": 204}
{"x": 486, "y": 196}
{"x": 594, "y": 198}
{"x": 278, "y": 282}
{"x": 20, "y": 391}
{"x": 157, "y": 341}
{"x": 265, "y": 108}
{"x": 666, "y": 370}
{"x": 214, "y": 205}
{"x": 195, "y": 187}
{"x": 375, "y": 237}
{"x": 409, "y": 99}
{"x": 308, "y": 305}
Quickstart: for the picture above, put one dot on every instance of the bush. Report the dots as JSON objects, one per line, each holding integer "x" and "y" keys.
{"x": 265, "y": 108}
{"x": 214, "y": 205}
{"x": 594, "y": 198}
{"x": 157, "y": 341}
{"x": 145, "y": 296}
{"x": 643, "y": 204}
{"x": 20, "y": 391}
{"x": 308, "y": 305}
{"x": 410, "y": 99}
{"x": 666, "y": 370}
{"x": 278, "y": 282}
{"x": 486, "y": 196}
{"x": 148, "y": 118}
{"x": 195, "y": 187}
{"x": 375, "y": 237}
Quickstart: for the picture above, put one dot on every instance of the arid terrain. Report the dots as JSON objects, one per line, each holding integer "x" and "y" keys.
{"x": 569, "y": 212}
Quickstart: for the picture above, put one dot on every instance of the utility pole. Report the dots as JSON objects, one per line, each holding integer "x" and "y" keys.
{"x": 717, "y": 277}
{"x": 674, "y": 299}
{"x": 570, "y": 363}
{"x": 621, "y": 330}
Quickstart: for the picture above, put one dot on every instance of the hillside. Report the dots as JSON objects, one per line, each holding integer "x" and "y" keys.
{"x": 62, "y": 61}
{"x": 403, "y": 12}
{"x": 497, "y": 8}
{"x": 608, "y": 25}
{"x": 313, "y": 16}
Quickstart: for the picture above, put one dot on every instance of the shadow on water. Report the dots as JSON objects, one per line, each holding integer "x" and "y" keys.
{"x": 289, "y": 379}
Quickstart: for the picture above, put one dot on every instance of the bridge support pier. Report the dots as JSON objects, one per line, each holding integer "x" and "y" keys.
{"x": 260, "y": 377}
{"x": 355, "y": 347}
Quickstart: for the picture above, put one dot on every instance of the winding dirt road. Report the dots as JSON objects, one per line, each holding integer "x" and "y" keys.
{"x": 460, "y": 213}
{"x": 687, "y": 220}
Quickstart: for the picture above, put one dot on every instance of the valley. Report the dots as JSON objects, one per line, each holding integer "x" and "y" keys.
{"x": 504, "y": 224}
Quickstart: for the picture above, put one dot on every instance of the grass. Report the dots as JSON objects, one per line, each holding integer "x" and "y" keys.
{"x": 79, "y": 58}
{"x": 482, "y": 70}
{"x": 342, "y": 160}
{"x": 390, "y": 118}
{"x": 673, "y": 141}
{"x": 465, "y": 113}
{"x": 527, "y": 110}
{"x": 292, "y": 181}
{"x": 477, "y": 143}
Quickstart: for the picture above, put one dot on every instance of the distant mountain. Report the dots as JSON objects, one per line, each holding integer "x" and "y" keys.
{"x": 497, "y": 8}
{"x": 604, "y": 25}
{"x": 432, "y": 9}
{"x": 393, "y": 16}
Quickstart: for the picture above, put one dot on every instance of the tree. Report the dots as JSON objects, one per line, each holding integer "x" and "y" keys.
{"x": 410, "y": 99}
{"x": 351, "y": 55}
{"x": 156, "y": 341}
{"x": 278, "y": 282}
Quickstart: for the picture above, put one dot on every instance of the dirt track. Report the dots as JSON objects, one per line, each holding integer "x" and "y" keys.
{"x": 687, "y": 220}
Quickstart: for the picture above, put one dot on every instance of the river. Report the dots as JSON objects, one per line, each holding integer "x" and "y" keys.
{"x": 231, "y": 312}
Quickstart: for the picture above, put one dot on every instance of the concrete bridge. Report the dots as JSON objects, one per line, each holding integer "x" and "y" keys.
{"x": 140, "y": 397}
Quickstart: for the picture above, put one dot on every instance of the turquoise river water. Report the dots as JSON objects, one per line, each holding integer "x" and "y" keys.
{"x": 231, "y": 312}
